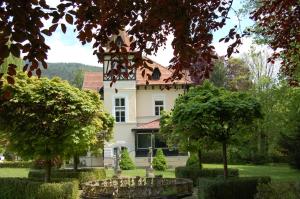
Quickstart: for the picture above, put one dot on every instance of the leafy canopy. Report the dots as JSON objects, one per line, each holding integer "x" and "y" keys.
{"x": 192, "y": 23}
{"x": 215, "y": 112}
{"x": 208, "y": 113}
{"x": 47, "y": 118}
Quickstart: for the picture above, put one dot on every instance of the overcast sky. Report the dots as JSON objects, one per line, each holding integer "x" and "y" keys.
{"x": 67, "y": 48}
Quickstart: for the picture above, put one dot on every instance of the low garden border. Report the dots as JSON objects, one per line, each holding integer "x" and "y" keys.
{"x": 138, "y": 188}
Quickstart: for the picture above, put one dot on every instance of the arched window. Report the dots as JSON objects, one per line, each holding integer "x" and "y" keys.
{"x": 119, "y": 41}
{"x": 156, "y": 74}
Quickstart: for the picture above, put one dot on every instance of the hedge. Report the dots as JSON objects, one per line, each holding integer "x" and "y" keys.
{"x": 83, "y": 175}
{"x": 278, "y": 190}
{"x": 232, "y": 188}
{"x": 194, "y": 173}
{"x": 16, "y": 164}
{"x": 17, "y": 188}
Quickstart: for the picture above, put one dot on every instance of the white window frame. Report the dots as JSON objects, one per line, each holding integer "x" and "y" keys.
{"x": 159, "y": 98}
{"x": 126, "y": 107}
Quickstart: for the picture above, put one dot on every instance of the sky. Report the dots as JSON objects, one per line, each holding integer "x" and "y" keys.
{"x": 67, "y": 48}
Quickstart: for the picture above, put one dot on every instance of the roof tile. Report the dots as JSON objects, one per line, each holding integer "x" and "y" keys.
{"x": 92, "y": 81}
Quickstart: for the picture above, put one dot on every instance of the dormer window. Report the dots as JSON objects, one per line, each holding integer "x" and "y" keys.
{"x": 119, "y": 41}
{"x": 156, "y": 74}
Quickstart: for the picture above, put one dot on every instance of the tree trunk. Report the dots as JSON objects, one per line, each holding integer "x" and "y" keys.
{"x": 200, "y": 158}
{"x": 225, "y": 160}
{"x": 48, "y": 171}
{"x": 75, "y": 162}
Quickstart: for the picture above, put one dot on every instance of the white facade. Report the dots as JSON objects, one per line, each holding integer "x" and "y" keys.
{"x": 136, "y": 107}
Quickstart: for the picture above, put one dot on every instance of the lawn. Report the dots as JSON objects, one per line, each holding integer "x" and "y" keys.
{"x": 277, "y": 172}
{"x": 14, "y": 172}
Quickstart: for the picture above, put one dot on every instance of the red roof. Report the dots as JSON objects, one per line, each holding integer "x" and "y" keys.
{"x": 148, "y": 126}
{"x": 165, "y": 73}
{"x": 92, "y": 81}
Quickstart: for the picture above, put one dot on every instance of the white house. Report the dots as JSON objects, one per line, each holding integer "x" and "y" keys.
{"x": 136, "y": 107}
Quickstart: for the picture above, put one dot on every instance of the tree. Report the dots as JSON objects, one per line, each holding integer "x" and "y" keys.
{"x": 181, "y": 136}
{"x": 277, "y": 24}
{"x": 215, "y": 114}
{"x": 232, "y": 74}
{"x": 262, "y": 71}
{"x": 78, "y": 79}
{"x": 46, "y": 118}
{"x": 290, "y": 138}
{"x": 218, "y": 76}
{"x": 149, "y": 23}
{"x": 11, "y": 60}
{"x": 238, "y": 75}
{"x": 126, "y": 163}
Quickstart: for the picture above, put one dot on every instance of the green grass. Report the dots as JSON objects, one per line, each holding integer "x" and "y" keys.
{"x": 14, "y": 172}
{"x": 170, "y": 173}
{"x": 277, "y": 172}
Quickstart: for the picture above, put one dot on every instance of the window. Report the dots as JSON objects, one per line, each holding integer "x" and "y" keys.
{"x": 158, "y": 106}
{"x": 120, "y": 109}
{"x": 144, "y": 140}
{"x": 156, "y": 74}
{"x": 119, "y": 41}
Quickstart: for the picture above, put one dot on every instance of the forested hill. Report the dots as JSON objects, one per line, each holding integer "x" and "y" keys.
{"x": 72, "y": 72}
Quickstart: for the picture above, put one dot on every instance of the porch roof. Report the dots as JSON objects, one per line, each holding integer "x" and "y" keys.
{"x": 153, "y": 125}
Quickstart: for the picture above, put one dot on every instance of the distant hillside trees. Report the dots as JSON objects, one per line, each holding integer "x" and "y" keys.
{"x": 72, "y": 72}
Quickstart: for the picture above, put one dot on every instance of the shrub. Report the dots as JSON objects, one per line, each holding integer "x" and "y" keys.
{"x": 62, "y": 190}
{"x": 82, "y": 175}
{"x": 40, "y": 163}
{"x": 159, "y": 161}
{"x": 126, "y": 163}
{"x": 15, "y": 188}
{"x": 9, "y": 156}
{"x": 232, "y": 188}
{"x": 193, "y": 161}
{"x": 195, "y": 173}
{"x": 16, "y": 164}
{"x": 289, "y": 190}
{"x": 214, "y": 156}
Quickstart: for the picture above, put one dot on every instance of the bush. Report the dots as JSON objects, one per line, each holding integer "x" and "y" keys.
{"x": 16, "y": 164}
{"x": 212, "y": 157}
{"x": 82, "y": 175}
{"x": 9, "y": 156}
{"x": 193, "y": 161}
{"x": 15, "y": 188}
{"x": 159, "y": 161}
{"x": 195, "y": 173}
{"x": 289, "y": 190}
{"x": 126, "y": 163}
{"x": 62, "y": 190}
{"x": 232, "y": 188}
{"x": 41, "y": 164}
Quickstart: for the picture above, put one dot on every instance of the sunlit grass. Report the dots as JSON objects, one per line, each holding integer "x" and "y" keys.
{"x": 278, "y": 172}
{"x": 14, "y": 172}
